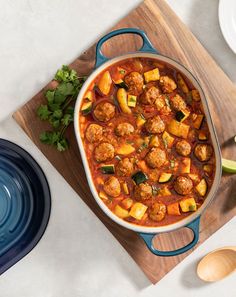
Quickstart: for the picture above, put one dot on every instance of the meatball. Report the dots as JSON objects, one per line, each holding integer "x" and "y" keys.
{"x": 104, "y": 111}
{"x": 178, "y": 103}
{"x": 168, "y": 85}
{"x": 134, "y": 80}
{"x": 203, "y": 152}
{"x": 124, "y": 167}
{"x": 156, "y": 158}
{"x": 104, "y": 152}
{"x": 143, "y": 191}
{"x": 150, "y": 95}
{"x": 155, "y": 125}
{"x": 158, "y": 211}
{"x": 94, "y": 133}
{"x": 124, "y": 129}
{"x": 183, "y": 185}
{"x": 112, "y": 187}
{"x": 183, "y": 148}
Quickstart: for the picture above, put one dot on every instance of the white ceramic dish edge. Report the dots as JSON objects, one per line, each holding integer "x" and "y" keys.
{"x": 215, "y": 184}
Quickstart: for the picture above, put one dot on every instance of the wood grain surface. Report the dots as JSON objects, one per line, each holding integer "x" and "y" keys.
{"x": 171, "y": 37}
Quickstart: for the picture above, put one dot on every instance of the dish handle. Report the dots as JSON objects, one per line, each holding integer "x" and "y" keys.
{"x": 148, "y": 238}
{"x": 146, "y": 47}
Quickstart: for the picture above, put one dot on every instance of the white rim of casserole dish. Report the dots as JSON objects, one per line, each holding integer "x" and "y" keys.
{"x": 109, "y": 213}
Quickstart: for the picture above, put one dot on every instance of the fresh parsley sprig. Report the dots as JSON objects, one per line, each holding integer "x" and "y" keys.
{"x": 59, "y": 110}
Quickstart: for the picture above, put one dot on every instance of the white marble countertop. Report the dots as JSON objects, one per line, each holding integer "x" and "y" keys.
{"x": 77, "y": 256}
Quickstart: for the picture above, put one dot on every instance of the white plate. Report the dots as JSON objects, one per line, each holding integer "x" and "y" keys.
{"x": 227, "y": 19}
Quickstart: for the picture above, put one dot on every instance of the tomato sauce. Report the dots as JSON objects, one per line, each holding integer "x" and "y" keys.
{"x": 165, "y": 113}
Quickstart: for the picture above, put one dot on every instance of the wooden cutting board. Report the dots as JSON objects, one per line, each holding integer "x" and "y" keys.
{"x": 172, "y": 38}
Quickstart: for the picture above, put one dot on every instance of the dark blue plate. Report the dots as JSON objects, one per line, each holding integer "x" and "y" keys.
{"x": 25, "y": 203}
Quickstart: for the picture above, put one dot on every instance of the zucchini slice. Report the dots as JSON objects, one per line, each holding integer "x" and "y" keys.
{"x": 121, "y": 212}
{"x": 132, "y": 100}
{"x": 188, "y": 204}
{"x": 202, "y": 187}
{"x": 121, "y": 84}
{"x": 105, "y": 83}
{"x": 125, "y": 188}
{"x": 178, "y": 129}
{"x": 208, "y": 169}
{"x": 154, "y": 141}
{"x": 165, "y": 177}
{"x": 139, "y": 177}
{"x": 186, "y": 165}
{"x": 181, "y": 115}
{"x": 108, "y": 169}
{"x": 103, "y": 196}
{"x": 122, "y": 100}
{"x": 167, "y": 139}
{"x": 140, "y": 120}
{"x": 198, "y": 121}
{"x": 138, "y": 210}
{"x": 86, "y": 108}
{"x": 89, "y": 96}
{"x": 125, "y": 149}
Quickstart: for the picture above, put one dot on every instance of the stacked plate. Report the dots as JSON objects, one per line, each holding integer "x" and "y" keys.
{"x": 24, "y": 203}
{"x": 227, "y": 19}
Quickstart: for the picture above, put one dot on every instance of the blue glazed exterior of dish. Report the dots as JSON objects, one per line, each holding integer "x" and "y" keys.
{"x": 147, "y": 47}
{"x": 25, "y": 203}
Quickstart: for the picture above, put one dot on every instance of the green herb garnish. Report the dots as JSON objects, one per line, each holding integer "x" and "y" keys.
{"x": 59, "y": 110}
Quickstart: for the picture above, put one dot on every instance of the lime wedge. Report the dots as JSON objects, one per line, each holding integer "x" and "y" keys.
{"x": 228, "y": 166}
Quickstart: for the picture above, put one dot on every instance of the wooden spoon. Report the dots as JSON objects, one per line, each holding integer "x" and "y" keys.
{"x": 217, "y": 264}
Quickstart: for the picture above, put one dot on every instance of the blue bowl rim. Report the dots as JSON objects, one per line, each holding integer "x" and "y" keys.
{"x": 47, "y": 198}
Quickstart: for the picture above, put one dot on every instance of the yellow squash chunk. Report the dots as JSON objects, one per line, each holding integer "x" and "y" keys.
{"x": 140, "y": 120}
{"x": 173, "y": 209}
{"x": 164, "y": 192}
{"x": 198, "y": 121}
{"x": 182, "y": 84}
{"x": 122, "y": 100}
{"x": 121, "y": 212}
{"x": 105, "y": 82}
{"x": 167, "y": 139}
{"x": 178, "y": 129}
{"x": 208, "y": 169}
{"x": 125, "y": 188}
{"x": 186, "y": 165}
{"x": 127, "y": 203}
{"x": 194, "y": 177}
{"x": 202, "y": 135}
{"x": 125, "y": 149}
{"x": 152, "y": 75}
{"x": 132, "y": 100}
{"x": 89, "y": 96}
{"x": 154, "y": 141}
{"x": 138, "y": 210}
{"x": 165, "y": 177}
{"x": 195, "y": 95}
{"x": 188, "y": 204}
{"x": 202, "y": 187}
{"x": 102, "y": 195}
